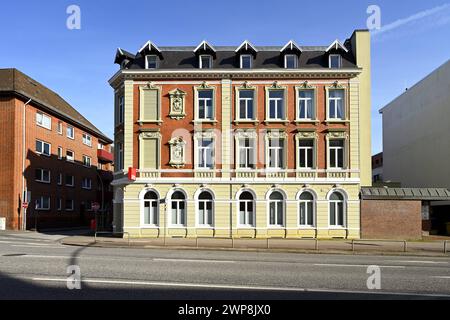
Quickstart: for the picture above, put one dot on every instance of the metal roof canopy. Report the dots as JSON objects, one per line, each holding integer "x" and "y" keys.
{"x": 428, "y": 194}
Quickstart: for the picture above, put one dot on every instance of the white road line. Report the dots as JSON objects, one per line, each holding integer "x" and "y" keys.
{"x": 28, "y": 243}
{"x": 34, "y": 246}
{"x": 192, "y": 260}
{"x": 441, "y": 277}
{"x": 234, "y": 287}
{"x": 423, "y": 261}
{"x": 44, "y": 257}
{"x": 354, "y": 265}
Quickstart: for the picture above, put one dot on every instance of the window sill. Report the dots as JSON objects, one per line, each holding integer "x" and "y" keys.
{"x": 207, "y": 227}
{"x": 337, "y": 121}
{"x": 40, "y": 125}
{"x": 205, "y": 121}
{"x": 315, "y": 122}
{"x": 149, "y": 226}
{"x": 142, "y": 122}
{"x": 285, "y": 122}
{"x": 239, "y": 121}
{"x": 243, "y": 227}
{"x": 174, "y": 226}
{"x": 45, "y": 182}
{"x": 276, "y": 227}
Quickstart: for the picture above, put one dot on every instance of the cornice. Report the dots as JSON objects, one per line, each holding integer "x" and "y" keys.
{"x": 236, "y": 74}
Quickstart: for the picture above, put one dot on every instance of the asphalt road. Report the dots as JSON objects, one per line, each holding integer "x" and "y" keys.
{"x": 35, "y": 267}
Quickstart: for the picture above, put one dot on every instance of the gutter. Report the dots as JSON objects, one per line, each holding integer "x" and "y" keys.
{"x": 24, "y": 155}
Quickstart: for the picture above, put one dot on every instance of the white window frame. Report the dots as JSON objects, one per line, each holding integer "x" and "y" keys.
{"x": 276, "y": 87}
{"x": 72, "y": 207}
{"x": 201, "y": 152}
{"x": 200, "y": 61}
{"x": 60, "y": 128}
{"x": 87, "y": 161}
{"x": 155, "y": 224}
{"x": 156, "y": 61}
{"x": 70, "y": 159}
{"x": 60, "y": 179}
{"x": 336, "y": 99}
{"x": 40, "y": 202}
{"x": 120, "y": 159}
{"x": 242, "y": 62}
{"x": 314, "y": 209}
{"x": 295, "y": 61}
{"x": 40, "y": 122}
{"x": 238, "y": 107}
{"x": 344, "y": 209}
{"x": 246, "y": 212}
{"x": 339, "y": 61}
{"x": 198, "y": 202}
{"x": 87, "y": 139}
{"x": 270, "y": 202}
{"x": 73, "y": 132}
{"x": 71, "y": 184}
{"x": 86, "y": 186}
{"x": 312, "y": 101}
{"x": 336, "y": 150}
{"x": 305, "y": 151}
{"x": 59, "y": 204}
{"x": 41, "y": 179}
{"x": 121, "y": 111}
{"x": 43, "y": 143}
{"x": 253, "y": 146}
{"x": 178, "y": 210}
{"x": 205, "y": 100}
{"x": 275, "y": 149}
{"x": 60, "y": 153}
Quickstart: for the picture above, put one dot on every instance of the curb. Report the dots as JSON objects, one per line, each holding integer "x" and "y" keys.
{"x": 100, "y": 244}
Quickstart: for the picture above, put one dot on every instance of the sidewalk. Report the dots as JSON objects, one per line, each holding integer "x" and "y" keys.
{"x": 426, "y": 248}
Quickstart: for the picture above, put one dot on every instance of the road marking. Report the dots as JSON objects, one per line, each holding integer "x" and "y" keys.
{"x": 34, "y": 246}
{"x": 45, "y": 257}
{"x": 354, "y": 265}
{"x": 424, "y": 262}
{"x": 441, "y": 277}
{"x": 192, "y": 260}
{"x": 28, "y": 243}
{"x": 234, "y": 287}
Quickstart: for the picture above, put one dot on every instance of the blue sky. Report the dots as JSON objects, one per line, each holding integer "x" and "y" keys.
{"x": 77, "y": 63}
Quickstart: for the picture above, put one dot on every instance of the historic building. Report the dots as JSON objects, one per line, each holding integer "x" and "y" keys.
{"x": 245, "y": 141}
{"x": 54, "y": 163}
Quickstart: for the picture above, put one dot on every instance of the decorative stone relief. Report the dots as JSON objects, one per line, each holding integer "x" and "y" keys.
{"x": 177, "y": 152}
{"x": 276, "y": 134}
{"x": 246, "y": 134}
{"x": 306, "y": 135}
{"x": 150, "y": 135}
{"x": 177, "y": 104}
{"x": 337, "y": 135}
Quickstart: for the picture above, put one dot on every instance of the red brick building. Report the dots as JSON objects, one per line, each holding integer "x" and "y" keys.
{"x": 52, "y": 159}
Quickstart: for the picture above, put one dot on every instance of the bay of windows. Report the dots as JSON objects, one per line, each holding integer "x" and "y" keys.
{"x": 70, "y": 132}
{"x": 43, "y": 120}
{"x": 42, "y": 147}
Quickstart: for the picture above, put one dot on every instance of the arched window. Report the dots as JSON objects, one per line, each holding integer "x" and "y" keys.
{"x": 337, "y": 210}
{"x": 151, "y": 208}
{"x": 205, "y": 209}
{"x": 276, "y": 209}
{"x": 306, "y": 209}
{"x": 178, "y": 207}
{"x": 246, "y": 209}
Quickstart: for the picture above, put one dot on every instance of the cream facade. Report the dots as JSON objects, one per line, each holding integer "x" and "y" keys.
{"x": 214, "y": 163}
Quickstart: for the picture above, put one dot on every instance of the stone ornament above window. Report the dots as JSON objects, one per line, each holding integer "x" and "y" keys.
{"x": 337, "y": 135}
{"x": 177, "y": 152}
{"x": 276, "y": 134}
{"x": 177, "y": 104}
{"x": 150, "y": 135}
{"x": 305, "y": 85}
{"x": 306, "y": 135}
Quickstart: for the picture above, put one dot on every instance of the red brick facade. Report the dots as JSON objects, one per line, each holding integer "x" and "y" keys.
{"x": 11, "y": 163}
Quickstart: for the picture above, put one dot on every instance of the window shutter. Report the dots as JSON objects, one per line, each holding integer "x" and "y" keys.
{"x": 149, "y": 104}
{"x": 150, "y": 153}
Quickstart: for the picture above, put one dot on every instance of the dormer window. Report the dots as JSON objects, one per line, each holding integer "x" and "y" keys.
{"x": 205, "y": 62}
{"x": 290, "y": 61}
{"x": 335, "y": 61}
{"x": 151, "y": 62}
{"x": 246, "y": 61}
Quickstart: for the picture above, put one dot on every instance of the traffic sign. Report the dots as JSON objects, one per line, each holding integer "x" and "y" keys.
{"x": 95, "y": 206}
{"x": 25, "y": 205}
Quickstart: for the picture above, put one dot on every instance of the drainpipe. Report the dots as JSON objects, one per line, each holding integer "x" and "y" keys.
{"x": 24, "y": 156}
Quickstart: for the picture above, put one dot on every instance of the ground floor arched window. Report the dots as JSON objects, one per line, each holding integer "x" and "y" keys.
{"x": 151, "y": 208}
{"x": 205, "y": 209}
{"x": 178, "y": 209}
{"x": 246, "y": 209}
{"x": 337, "y": 209}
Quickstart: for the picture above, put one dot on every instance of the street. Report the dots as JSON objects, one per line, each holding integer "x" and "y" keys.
{"x": 34, "y": 266}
